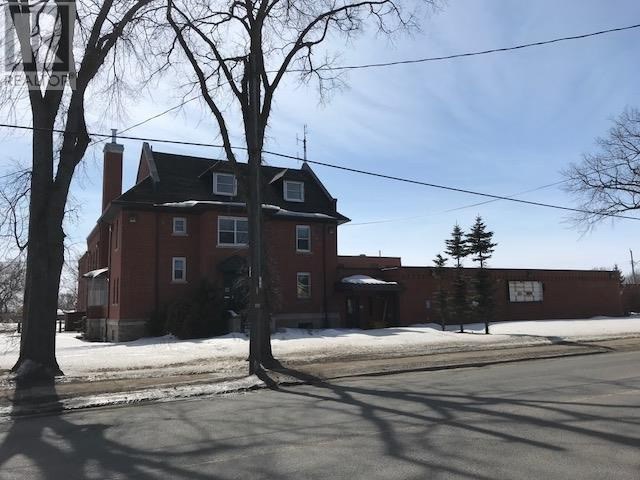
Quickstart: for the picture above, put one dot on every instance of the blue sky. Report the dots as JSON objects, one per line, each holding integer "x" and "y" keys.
{"x": 501, "y": 123}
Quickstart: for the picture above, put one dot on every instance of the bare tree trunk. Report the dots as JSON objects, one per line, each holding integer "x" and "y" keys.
{"x": 256, "y": 297}
{"x": 45, "y": 257}
{"x": 49, "y": 185}
{"x": 260, "y": 342}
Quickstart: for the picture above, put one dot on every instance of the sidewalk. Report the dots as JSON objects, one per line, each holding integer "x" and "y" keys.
{"x": 84, "y": 394}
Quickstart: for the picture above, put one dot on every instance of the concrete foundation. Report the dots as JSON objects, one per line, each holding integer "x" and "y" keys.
{"x": 307, "y": 320}
{"x": 126, "y": 330}
{"x": 96, "y": 329}
{"x": 107, "y": 330}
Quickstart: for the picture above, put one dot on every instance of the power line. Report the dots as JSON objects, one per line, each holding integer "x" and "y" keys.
{"x": 410, "y": 61}
{"x": 147, "y": 120}
{"x": 463, "y": 207}
{"x": 476, "y": 53}
{"x": 347, "y": 169}
{"x": 122, "y": 137}
{"x": 453, "y": 189}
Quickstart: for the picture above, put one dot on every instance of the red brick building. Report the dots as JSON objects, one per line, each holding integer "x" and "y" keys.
{"x": 185, "y": 220}
{"x": 409, "y": 293}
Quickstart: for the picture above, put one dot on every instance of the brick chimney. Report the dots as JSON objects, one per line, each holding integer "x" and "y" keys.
{"x": 112, "y": 171}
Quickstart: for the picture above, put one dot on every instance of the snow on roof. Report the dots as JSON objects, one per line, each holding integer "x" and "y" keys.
{"x": 290, "y": 213}
{"x": 278, "y": 211}
{"x": 365, "y": 280}
{"x": 278, "y": 176}
{"x": 95, "y": 273}
{"x": 193, "y": 203}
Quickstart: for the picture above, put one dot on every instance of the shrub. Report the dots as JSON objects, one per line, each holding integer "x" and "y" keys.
{"x": 198, "y": 315}
{"x": 157, "y": 323}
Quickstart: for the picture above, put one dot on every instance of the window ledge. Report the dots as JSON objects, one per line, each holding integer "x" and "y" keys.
{"x": 304, "y": 252}
{"x": 178, "y": 282}
{"x": 174, "y": 234}
{"x": 230, "y": 245}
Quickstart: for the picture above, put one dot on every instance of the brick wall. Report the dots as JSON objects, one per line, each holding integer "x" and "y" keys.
{"x": 284, "y": 262}
{"x": 567, "y": 294}
{"x": 143, "y": 262}
{"x": 631, "y": 298}
{"x": 363, "y": 261}
{"x": 111, "y": 173}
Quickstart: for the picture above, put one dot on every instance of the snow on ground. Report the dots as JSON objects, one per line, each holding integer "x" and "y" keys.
{"x": 227, "y": 354}
{"x": 8, "y": 327}
{"x": 565, "y": 329}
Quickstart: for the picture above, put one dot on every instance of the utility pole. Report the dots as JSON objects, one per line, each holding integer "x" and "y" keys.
{"x": 633, "y": 267}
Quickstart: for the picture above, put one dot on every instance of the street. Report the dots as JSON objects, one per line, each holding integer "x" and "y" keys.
{"x": 563, "y": 418}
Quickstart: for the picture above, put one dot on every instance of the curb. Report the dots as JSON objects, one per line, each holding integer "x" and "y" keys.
{"x": 107, "y": 400}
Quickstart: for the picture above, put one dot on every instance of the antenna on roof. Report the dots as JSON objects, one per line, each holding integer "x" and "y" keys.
{"x": 304, "y": 142}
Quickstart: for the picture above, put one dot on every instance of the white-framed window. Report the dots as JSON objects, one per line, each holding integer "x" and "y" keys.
{"x": 179, "y": 226}
{"x": 293, "y": 191}
{"x": 303, "y": 238}
{"x": 303, "y": 285}
{"x": 233, "y": 231}
{"x": 178, "y": 269}
{"x": 225, "y": 184}
{"x": 525, "y": 291}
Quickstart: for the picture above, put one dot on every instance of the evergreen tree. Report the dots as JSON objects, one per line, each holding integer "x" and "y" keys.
{"x": 456, "y": 246}
{"x": 457, "y": 250}
{"x": 618, "y": 272}
{"x": 442, "y": 296}
{"x": 481, "y": 247}
{"x": 478, "y": 242}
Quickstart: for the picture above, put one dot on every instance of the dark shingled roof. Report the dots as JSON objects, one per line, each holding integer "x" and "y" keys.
{"x": 183, "y": 178}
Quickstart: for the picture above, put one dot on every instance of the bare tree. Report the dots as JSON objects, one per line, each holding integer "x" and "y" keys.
{"x": 608, "y": 182}
{"x": 57, "y": 83}
{"x": 12, "y": 273}
{"x": 14, "y": 211}
{"x": 14, "y": 202}
{"x": 240, "y": 52}
{"x": 68, "y": 296}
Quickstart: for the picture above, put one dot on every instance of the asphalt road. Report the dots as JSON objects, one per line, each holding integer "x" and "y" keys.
{"x": 565, "y": 418}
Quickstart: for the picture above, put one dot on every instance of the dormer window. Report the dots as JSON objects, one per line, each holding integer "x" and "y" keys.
{"x": 225, "y": 184}
{"x": 293, "y": 191}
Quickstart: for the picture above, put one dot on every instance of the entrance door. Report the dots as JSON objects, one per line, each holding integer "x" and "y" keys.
{"x": 353, "y": 312}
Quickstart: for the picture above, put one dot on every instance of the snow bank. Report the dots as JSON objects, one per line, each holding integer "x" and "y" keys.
{"x": 137, "y": 396}
{"x": 167, "y": 355}
{"x": 563, "y": 329}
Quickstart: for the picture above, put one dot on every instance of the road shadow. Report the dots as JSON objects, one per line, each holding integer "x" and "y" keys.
{"x": 252, "y": 443}
{"x": 56, "y": 447}
{"x": 388, "y": 409}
